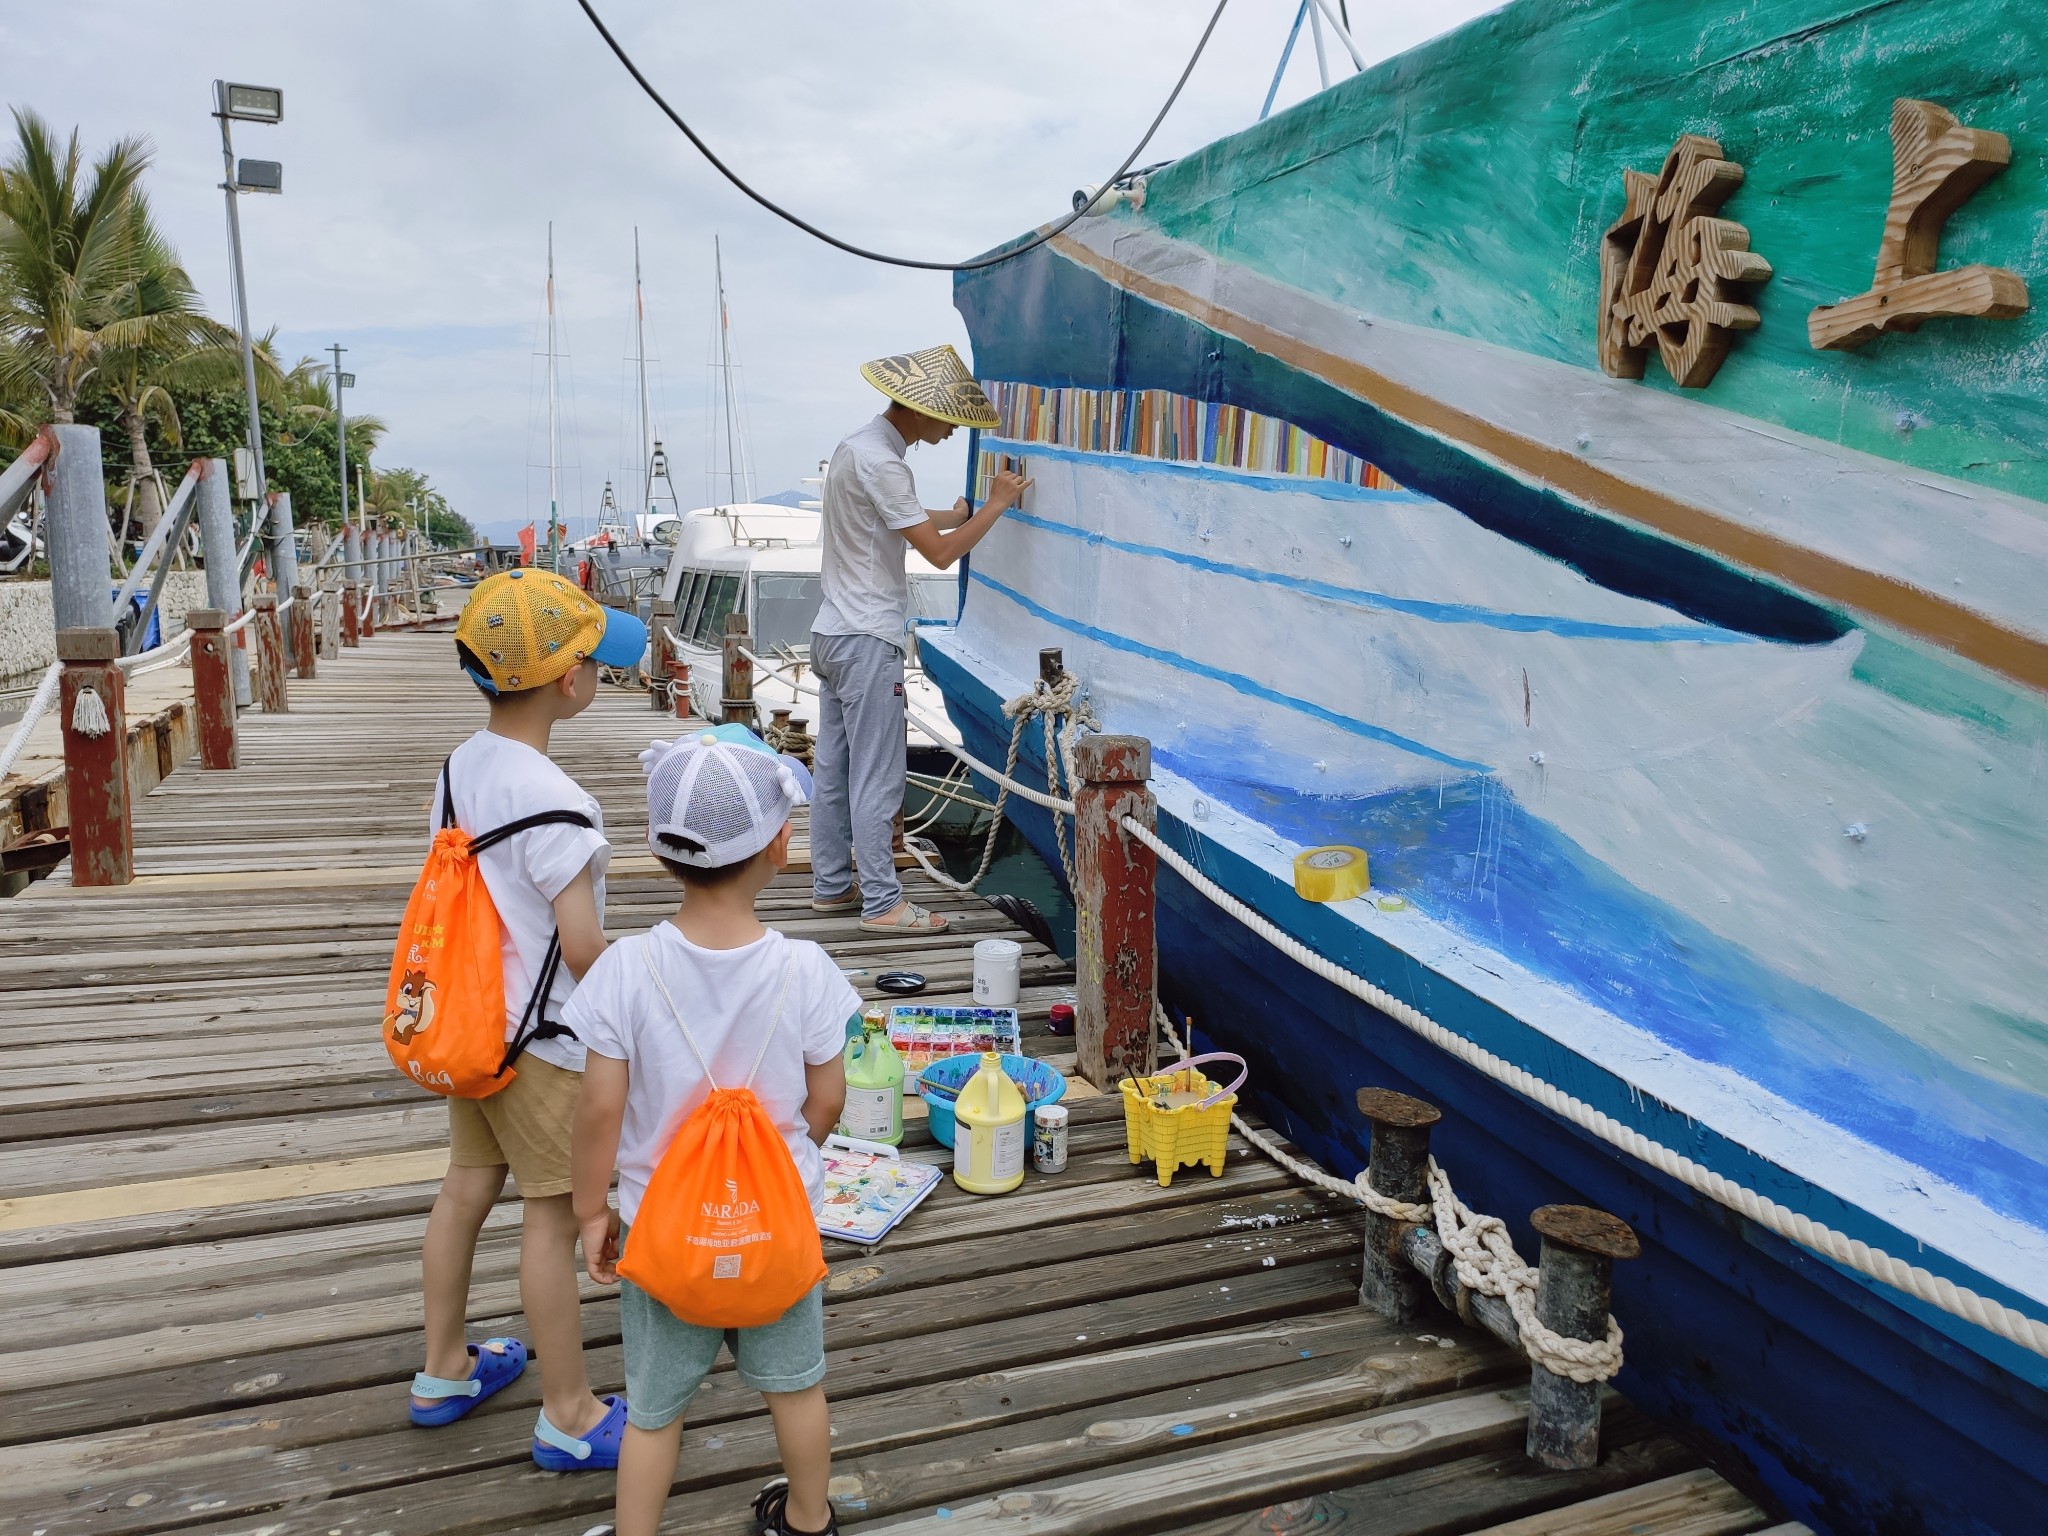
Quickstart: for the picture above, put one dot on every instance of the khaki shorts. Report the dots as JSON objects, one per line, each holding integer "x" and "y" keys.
{"x": 524, "y": 1126}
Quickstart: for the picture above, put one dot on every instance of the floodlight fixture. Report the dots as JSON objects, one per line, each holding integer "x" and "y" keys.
{"x": 348, "y": 380}
{"x": 259, "y": 176}
{"x": 248, "y": 103}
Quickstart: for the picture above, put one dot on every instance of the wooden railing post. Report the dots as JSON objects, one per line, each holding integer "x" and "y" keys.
{"x": 330, "y": 621}
{"x": 351, "y": 611}
{"x": 1580, "y": 1246}
{"x": 736, "y": 695}
{"x": 1114, "y": 875}
{"x": 213, "y": 687}
{"x": 270, "y": 656}
{"x": 304, "y": 648}
{"x": 91, "y": 710}
{"x": 660, "y": 674}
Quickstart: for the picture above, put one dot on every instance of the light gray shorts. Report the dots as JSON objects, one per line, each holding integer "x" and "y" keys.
{"x": 667, "y": 1359}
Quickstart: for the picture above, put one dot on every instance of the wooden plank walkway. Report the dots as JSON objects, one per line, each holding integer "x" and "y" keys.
{"x": 212, "y": 1190}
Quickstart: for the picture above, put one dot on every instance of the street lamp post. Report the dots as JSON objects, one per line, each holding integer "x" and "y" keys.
{"x": 249, "y": 104}
{"x": 341, "y": 381}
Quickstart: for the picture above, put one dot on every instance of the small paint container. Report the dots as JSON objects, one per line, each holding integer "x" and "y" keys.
{"x": 1061, "y": 1021}
{"x": 996, "y": 963}
{"x": 1049, "y": 1138}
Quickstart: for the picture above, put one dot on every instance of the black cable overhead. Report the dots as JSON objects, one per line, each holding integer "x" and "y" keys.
{"x": 861, "y": 251}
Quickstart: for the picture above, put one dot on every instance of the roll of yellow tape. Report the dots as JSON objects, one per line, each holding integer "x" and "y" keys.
{"x": 1335, "y": 873}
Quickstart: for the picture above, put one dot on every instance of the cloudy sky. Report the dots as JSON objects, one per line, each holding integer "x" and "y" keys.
{"x": 426, "y": 148}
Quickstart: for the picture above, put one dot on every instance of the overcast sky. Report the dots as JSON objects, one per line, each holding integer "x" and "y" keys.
{"x": 426, "y": 147}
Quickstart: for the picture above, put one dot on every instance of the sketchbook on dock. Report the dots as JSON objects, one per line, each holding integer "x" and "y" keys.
{"x": 869, "y": 1189}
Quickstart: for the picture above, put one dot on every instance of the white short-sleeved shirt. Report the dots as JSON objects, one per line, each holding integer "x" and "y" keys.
{"x": 869, "y": 498}
{"x": 728, "y": 997}
{"x": 498, "y": 780}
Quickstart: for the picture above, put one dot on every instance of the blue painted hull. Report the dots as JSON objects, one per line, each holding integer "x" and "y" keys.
{"x": 1858, "y": 1414}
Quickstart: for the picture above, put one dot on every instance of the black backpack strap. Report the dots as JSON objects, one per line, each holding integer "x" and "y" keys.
{"x": 534, "y": 1023}
{"x": 497, "y": 835}
{"x": 448, "y": 790}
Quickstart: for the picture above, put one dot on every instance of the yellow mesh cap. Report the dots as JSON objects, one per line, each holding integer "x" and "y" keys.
{"x": 529, "y": 627}
{"x": 934, "y": 382}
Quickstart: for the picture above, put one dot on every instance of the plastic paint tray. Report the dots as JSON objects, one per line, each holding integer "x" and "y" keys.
{"x": 927, "y": 1032}
{"x": 940, "y": 1083}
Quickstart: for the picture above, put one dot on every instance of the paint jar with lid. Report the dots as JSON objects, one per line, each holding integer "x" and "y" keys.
{"x": 1061, "y": 1020}
{"x": 1049, "y": 1138}
{"x": 996, "y": 966}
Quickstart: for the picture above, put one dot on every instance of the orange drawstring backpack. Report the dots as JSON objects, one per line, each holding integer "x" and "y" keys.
{"x": 444, "y": 1007}
{"x": 725, "y": 1237}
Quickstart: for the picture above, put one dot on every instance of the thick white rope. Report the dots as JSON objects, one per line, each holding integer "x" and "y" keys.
{"x": 38, "y": 704}
{"x": 248, "y": 617}
{"x": 1935, "y": 1290}
{"x": 169, "y": 654}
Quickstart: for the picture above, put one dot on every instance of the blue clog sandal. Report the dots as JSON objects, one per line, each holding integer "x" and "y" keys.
{"x": 556, "y": 1450}
{"x": 499, "y": 1363}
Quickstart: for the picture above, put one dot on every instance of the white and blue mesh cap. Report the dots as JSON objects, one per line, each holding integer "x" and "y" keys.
{"x": 719, "y": 798}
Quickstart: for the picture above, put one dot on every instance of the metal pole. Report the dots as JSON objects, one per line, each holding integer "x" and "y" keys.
{"x": 1293, "y": 34}
{"x": 340, "y": 429}
{"x": 284, "y": 544}
{"x": 1315, "y": 29}
{"x": 75, "y": 523}
{"x": 554, "y": 440}
{"x": 241, "y": 287}
{"x": 223, "y": 567}
{"x": 1343, "y": 31}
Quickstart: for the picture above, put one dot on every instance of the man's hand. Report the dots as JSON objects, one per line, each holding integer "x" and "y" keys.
{"x": 1007, "y": 489}
{"x": 601, "y": 1247}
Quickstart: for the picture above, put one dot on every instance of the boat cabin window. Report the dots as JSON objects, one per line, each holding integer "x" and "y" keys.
{"x": 784, "y": 605}
{"x": 721, "y": 596}
{"x": 688, "y": 591}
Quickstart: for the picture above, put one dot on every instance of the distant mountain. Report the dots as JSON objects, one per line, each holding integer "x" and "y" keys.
{"x": 504, "y": 531}
{"x": 794, "y": 498}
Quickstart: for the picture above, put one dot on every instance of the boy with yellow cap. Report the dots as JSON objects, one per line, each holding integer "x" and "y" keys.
{"x": 872, "y": 517}
{"x": 532, "y": 643}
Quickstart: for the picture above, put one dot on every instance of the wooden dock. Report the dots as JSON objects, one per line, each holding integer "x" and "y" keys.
{"x": 212, "y": 1190}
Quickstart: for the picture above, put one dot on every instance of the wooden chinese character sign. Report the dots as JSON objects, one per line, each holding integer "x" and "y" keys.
{"x": 1937, "y": 164}
{"x": 1674, "y": 274}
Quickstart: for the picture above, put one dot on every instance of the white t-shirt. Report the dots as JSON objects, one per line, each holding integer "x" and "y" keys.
{"x": 869, "y": 497}
{"x": 498, "y": 780}
{"x": 727, "y": 996}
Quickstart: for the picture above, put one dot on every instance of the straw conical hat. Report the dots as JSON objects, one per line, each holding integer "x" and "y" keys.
{"x": 934, "y": 382}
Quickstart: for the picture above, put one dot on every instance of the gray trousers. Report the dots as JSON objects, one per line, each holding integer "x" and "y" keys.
{"x": 857, "y": 769}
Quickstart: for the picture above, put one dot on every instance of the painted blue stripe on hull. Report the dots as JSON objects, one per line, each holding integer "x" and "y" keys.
{"x": 1355, "y": 597}
{"x": 1249, "y": 687}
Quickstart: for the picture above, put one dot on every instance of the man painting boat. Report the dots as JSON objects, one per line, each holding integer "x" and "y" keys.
{"x": 871, "y": 516}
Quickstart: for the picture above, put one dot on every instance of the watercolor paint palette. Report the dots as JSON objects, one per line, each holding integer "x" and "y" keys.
{"x": 923, "y": 1033}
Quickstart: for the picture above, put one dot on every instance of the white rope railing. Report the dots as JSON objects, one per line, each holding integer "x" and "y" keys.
{"x": 1923, "y": 1285}
{"x": 38, "y": 705}
{"x": 247, "y": 618}
{"x": 167, "y": 654}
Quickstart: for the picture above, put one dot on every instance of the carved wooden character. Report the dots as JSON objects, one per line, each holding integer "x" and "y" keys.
{"x": 1937, "y": 164}
{"x": 1670, "y": 272}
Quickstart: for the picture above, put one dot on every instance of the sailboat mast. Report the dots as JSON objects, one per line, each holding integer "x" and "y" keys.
{"x": 554, "y": 441}
{"x": 732, "y": 466}
{"x": 640, "y": 353}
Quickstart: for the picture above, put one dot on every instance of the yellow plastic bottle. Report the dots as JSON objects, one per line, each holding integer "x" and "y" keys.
{"x": 988, "y": 1135}
{"x": 874, "y": 1087}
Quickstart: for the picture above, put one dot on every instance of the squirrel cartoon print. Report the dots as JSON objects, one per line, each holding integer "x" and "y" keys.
{"x": 413, "y": 1012}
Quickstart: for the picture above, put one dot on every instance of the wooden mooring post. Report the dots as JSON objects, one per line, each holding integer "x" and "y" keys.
{"x": 91, "y": 710}
{"x": 213, "y": 688}
{"x": 736, "y": 688}
{"x": 270, "y": 656}
{"x": 661, "y": 675}
{"x": 304, "y": 644}
{"x": 1580, "y": 1247}
{"x": 1116, "y": 954}
{"x": 351, "y": 611}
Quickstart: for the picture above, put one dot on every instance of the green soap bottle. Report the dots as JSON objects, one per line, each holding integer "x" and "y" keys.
{"x": 874, "y": 1087}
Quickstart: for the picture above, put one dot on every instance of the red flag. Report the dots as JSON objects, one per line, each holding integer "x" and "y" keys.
{"x": 526, "y": 544}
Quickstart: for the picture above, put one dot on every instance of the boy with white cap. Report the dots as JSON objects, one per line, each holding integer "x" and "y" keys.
{"x": 532, "y": 643}
{"x": 752, "y": 1002}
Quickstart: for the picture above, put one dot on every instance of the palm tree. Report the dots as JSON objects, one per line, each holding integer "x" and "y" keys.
{"x": 173, "y": 343}
{"x": 308, "y": 396}
{"x": 66, "y": 253}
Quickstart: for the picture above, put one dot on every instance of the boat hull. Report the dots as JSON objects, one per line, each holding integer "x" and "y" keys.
{"x": 1855, "y": 1413}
